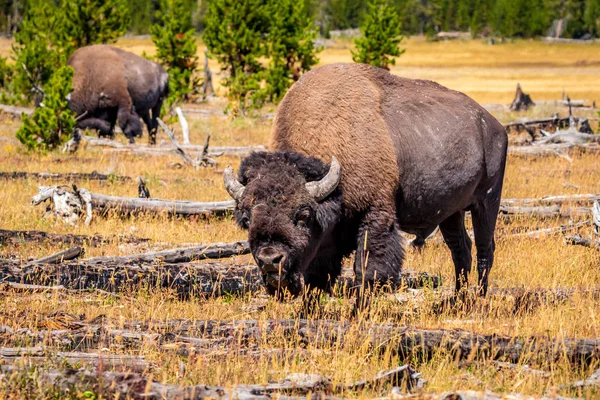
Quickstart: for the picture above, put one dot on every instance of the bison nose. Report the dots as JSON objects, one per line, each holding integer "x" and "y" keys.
{"x": 270, "y": 261}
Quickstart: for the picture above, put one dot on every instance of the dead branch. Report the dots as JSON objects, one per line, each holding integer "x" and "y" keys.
{"x": 581, "y": 241}
{"x": 522, "y": 100}
{"x": 207, "y": 85}
{"x": 42, "y": 356}
{"x": 16, "y": 237}
{"x": 179, "y": 150}
{"x": 185, "y": 128}
{"x": 93, "y": 176}
{"x": 596, "y": 217}
{"x": 34, "y": 85}
{"x": 61, "y": 256}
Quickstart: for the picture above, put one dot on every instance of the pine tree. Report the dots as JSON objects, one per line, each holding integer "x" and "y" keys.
{"x": 381, "y": 36}
{"x": 592, "y": 17}
{"x": 86, "y": 22}
{"x": 52, "y": 123}
{"x": 34, "y": 52}
{"x": 176, "y": 47}
{"x": 290, "y": 44}
{"x": 233, "y": 34}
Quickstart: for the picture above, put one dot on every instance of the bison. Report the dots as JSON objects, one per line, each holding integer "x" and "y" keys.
{"x": 111, "y": 84}
{"x": 404, "y": 154}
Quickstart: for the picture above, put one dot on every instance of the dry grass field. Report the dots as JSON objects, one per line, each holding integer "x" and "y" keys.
{"x": 487, "y": 73}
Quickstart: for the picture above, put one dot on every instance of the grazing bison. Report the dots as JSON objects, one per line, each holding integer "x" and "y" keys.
{"x": 111, "y": 84}
{"x": 405, "y": 155}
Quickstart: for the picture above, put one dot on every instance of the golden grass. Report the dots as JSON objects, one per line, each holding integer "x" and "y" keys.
{"x": 489, "y": 74}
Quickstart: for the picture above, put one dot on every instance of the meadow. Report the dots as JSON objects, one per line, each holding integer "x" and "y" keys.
{"x": 487, "y": 73}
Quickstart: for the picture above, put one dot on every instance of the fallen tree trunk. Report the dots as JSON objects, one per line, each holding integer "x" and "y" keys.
{"x": 404, "y": 340}
{"x": 543, "y": 211}
{"x": 186, "y": 279}
{"x": 16, "y": 111}
{"x": 581, "y": 241}
{"x": 182, "y": 255}
{"x": 560, "y": 199}
{"x": 213, "y": 151}
{"x": 552, "y": 149}
{"x": 407, "y": 341}
{"x": 182, "y": 208}
{"x": 16, "y": 237}
{"x": 93, "y": 176}
{"x": 42, "y": 356}
{"x": 61, "y": 256}
{"x": 138, "y": 386}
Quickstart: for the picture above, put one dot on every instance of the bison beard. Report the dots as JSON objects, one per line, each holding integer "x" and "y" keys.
{"x": 299, "y": 242}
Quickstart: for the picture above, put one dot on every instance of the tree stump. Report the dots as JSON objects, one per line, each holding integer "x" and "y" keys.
{"x": 522, "y": 100}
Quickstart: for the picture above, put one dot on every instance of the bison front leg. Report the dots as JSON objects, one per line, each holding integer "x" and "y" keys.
{"x": 379, "y": 251}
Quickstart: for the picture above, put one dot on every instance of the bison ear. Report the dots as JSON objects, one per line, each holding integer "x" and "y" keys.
{"x": 319, "y": 190}
{"x": 328, "y": 213}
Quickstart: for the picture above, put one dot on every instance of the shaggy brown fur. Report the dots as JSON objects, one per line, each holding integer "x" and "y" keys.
{"x": 414, "y": 155}
{"x": 111, "y": 84}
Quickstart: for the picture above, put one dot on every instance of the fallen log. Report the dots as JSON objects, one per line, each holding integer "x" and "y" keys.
{"x": 93, "y": 176}
{"x": 127, "y": 205}
{"x": 213, "y": 151}
{"x": 69, "y": 204}
{"x": 182, "y": 255}
{"x": 42, "y": 356}
{"x": 543, "y": 211}
{"x": 17, "y": 237}
{"x": 581, "y": 241}
{"x": 137, "y": 386}
{"x": 61, "y": 256}
{"x": 585, "y": 198}
{"x": 407, "y": 341}
{"x": 16, "y": 111}
{"x": 549, "y": 231}
{"x": 552, "y": 149}
{"x": 186, "y": 279}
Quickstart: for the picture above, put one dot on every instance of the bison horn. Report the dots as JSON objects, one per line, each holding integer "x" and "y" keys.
{"x": 232, "y": 185}
{"x": 323, "y": 188}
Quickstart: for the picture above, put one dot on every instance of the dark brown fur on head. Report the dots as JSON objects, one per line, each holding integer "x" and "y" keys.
{"x": 286, "y": 225}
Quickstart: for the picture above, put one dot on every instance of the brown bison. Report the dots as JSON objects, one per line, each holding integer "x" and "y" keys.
{"x": 405, "y": 155}
{"x": 111, "y": 84}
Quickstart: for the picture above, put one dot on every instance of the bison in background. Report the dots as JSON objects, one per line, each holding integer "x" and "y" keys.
{"x": 404, "y": 155}
{"x": 111, "y": 84}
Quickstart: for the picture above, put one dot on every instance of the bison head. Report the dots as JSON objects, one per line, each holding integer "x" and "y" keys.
{"x": 289, "y": 204}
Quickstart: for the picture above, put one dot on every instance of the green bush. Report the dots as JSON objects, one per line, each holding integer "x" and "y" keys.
{"x": 381, "y": 38}
{"x": 176, "y": 47}
{"x": 52, "y": 123}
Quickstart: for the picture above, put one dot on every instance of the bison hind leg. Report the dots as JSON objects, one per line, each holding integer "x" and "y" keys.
{"x": 458, "y": 241}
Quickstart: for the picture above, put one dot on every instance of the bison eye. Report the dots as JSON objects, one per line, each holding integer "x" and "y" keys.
{"x": 302, "y": 217}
